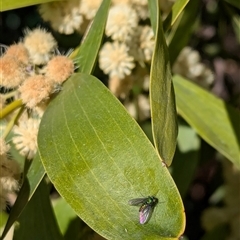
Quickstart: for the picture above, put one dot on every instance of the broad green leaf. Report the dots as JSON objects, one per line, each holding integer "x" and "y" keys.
{"x": 182, "y": 31}
{"x": 31, "y": 182}
{"x": 177, "y": 8}
{"x": 13, "y": 4}
{"x": 186, "y": 158}
{"x": 162, "y": 99}
{"x": 38, "y": 220}
{"x": 98, "y": 159}
{"x": 88, "y": 51}
{"x": 213, "y": 119}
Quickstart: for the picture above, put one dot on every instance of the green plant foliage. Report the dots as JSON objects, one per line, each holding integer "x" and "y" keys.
{"x": 177, "y": 9}
{"x": 3, "y": 219}
{"x": 36, "y": 171}
{"x": 98, "y": 159}
{"x": 213, "y": 119}
{"x": 69, "y": 223}
{"x": 88, "y": 51}
{"x": 234, "y": 3}
{"x": 38, "y": 222}
{"x": 32, "y": 179}
{"x": 186, "y": 158}
{"x": 235, "y": 18}
{"x": 64, "y": 214}
{"x": 183, "y": 29}
{"x": 153, "y": 6}
{"x": 13, "y": 4}
{"x": 162, "y": 99}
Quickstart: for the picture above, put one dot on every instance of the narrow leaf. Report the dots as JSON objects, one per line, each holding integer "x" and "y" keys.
{"x": 186, "y": 158}
{"x": 213, "y": 119}
{"x": 38, "y": 222}
{"x": 98, "y": 159}
{"x": 177, "y": 8}
{"x": 183, "y": 30}
{"x": 33, "y": 178}
{"x": 162, "y": 99}
{"x": 235, "y": 18}
{"x": 13, "y": 4}
{"x": 153, "y": 8}
{"x": 88, "y": 51}
{"x": 234, "y": 3}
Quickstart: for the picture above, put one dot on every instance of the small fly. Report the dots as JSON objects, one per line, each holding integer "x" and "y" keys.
{"x": 146, "y": 208}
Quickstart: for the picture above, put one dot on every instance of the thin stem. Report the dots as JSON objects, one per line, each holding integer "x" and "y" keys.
{"x": 12, "y": 122}
{"x": 10, "y": 107}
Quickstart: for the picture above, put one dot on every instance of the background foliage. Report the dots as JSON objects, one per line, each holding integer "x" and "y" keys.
{"x": 82, "y": 169}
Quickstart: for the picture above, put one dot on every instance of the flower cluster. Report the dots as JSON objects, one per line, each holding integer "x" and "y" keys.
{"x": 129, "y": 47}
{"x": 126, "y": 55}
{"x": 128, "y": 50}
{"x": 128, "y": 43}
{"x": 188, "y": 65}
{"x": 64, "y": 17}
{"x": 31, "y": 71}
{"x": 9, "y": 174}
{"x": 69, "y": 16}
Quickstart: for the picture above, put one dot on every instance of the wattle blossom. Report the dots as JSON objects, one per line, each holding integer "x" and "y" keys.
{"x": 115, "y": 60}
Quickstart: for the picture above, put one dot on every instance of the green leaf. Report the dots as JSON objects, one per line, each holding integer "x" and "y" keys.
{"x": 234, "y": 3}
{"x": 177, "y": 8}
{"x": 235, "y": 18}
{"x": 32, "y": 180}
{"x": 71, "y": 226}
{"x": 162, "y": 99}
{"x": 98, "y": 159}
{"x": 213, "y": 119}
{"x": 153, "y": 8}
{"x": 236, "y": 25}
{"x": 37, "y": 220}
{"x": 64, "y": 214}
{"x": 13, "y": 4}
{"x": 186, "y": 158}
{"x": 182, "y": 30}
{"x": 88, "y": 51}
{"x": 3, "y": 219}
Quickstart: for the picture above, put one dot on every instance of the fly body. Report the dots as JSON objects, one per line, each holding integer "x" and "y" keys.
{"x": 146, "y": 208}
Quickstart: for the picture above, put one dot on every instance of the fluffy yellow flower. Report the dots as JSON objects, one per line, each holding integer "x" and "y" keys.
{"x": 115, "y": 60}
{"x": 122, "y": 22}
{"x": 40, "y": 45}
{"x": 25, "y": 138}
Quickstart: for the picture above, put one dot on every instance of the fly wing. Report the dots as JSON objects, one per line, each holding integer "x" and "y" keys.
{"x": 145, "y": 213}
{"x": 136, "y": 201}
